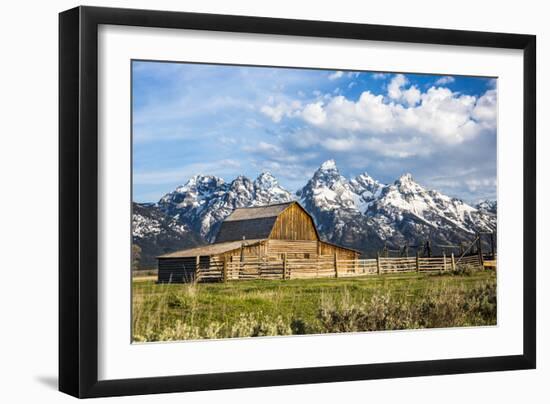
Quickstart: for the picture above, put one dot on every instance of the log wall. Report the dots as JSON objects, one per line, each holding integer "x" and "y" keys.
{"x": 294, "y": 224}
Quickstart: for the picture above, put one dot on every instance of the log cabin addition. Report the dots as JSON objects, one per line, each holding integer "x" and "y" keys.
{"x": 258, "y": 240}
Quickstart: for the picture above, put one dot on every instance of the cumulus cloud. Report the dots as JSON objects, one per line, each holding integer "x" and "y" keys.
{"x": 445, "y": 80}
{"x": 405, "y": 122}
{"x": 336, "y": 75}
{"x": 314, "y": 114}
{"x": 394, "y": 87}
{"x": 485, "y": 110}
{"x": 410, "y": 96}
{"x": 276, "y": 111}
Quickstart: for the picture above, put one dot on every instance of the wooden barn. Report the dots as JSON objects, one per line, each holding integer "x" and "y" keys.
{"x": 265, "y": 234}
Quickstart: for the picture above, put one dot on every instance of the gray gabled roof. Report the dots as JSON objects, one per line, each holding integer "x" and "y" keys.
{"x": 258, "y": 212}
{"x": 250, "y": 223}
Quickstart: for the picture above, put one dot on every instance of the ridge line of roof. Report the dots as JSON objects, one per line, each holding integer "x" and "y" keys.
{"x": 266, "y": 206}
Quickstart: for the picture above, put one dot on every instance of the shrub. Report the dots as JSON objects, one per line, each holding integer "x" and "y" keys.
{"x": 251, "y": 325}
{"x": 450, "y": 307}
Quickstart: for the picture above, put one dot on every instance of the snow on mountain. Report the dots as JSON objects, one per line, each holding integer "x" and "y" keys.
{"x": 407, "y": 211}
{"x": 367, "y": 188}
{"x": 205, "y": 201}
{"x": 328, "y": 190}
{"x": 156, "y": 233}
{"x": 360, "y": 212}
{"x": 487, "y": 206}
{"x": 336, "y": 205}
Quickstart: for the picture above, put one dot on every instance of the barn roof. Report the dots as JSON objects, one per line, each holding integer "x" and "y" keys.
{"x": 211, "y": 249}
{"x": 244, "y": 227}
{"x": 258, "y": 212}
{"x": 255, "y": 222}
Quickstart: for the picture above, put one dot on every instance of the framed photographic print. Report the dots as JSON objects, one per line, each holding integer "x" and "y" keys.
{"x": 251, "y": 201}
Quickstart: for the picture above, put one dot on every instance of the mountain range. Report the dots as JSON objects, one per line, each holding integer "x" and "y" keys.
{"x": 360, "y": 213}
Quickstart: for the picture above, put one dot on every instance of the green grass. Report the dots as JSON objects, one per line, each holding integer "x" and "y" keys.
{"x": 261, "y": 307}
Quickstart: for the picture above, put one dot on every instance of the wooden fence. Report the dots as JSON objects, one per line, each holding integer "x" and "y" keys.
{"x": 327, "y": 266}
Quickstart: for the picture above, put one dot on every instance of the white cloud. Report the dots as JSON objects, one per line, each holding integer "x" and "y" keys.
{"x": 277, "y": 111}
{"x": 379, "y": 76}
{"x": 336, "y": 75}
{"x": 485, "y": 110}
{"x": 264, "y": 147}
{"x": 437, "y": 116}
{"x": 402, "y": 123}
{"x": 314, "y": 114}
{"x": 394, "y": 87}
{"x": 445, "y": 80}
{"x": 410, "y": 96}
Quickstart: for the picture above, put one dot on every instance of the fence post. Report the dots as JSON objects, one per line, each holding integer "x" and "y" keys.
{"x": 493, "y": 253}
{"x": 197, "y": 267}
{"x": 284, "y": 265}
{"x": 224, "y": 273}
{"x": 453, "y": 265}
{"x": 417, "y": 261}
{"x": 378, "y": 263}
{"x": 444, "y": 262}
{"x": 335, "y": 265}
{"x": 480, "y": 251}
{"x": 241, "y": 260}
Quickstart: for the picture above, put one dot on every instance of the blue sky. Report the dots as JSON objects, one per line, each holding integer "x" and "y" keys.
{"x": 230, "y": 120}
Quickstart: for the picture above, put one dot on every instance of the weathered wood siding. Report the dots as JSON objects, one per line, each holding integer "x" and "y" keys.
{"x": 293, "y": 224}
{"x": 247, "y": 251}
{"x": 342, "y": 253}
{"x": 178, "y": 270}
{"x": 293, "y": 249}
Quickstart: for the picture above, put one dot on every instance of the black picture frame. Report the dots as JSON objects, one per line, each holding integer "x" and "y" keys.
{"x": 78, "y": 201}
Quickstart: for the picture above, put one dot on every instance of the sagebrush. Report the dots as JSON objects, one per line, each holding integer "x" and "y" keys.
{"x": 317, "y": 306}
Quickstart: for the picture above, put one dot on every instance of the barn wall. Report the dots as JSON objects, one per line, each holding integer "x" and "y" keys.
{"x": 342, "y": 253}
{"x": 254, "y": 251}
{"x": 293, "y": 249}
{"x": 177, "y": 270}
{"x": 293, "y": 224}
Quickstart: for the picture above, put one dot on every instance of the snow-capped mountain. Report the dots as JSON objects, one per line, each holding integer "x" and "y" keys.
{"x": 337, "y": 204}
{"x": 156, "y": 233}
{"x": 364, "y": 213}
{"x": 367, "y": 188}
{"x": 405, "y": 212}
{"x": 205, "y": 201}
{"x": 487, "y": 206}
{"x": 360, "y": 212}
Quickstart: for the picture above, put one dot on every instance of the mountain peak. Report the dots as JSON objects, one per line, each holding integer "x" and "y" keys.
{"x": 359, "y": 212}
{"x": 488, "y": 205}
{"x": 407, "y": 177}
{"x": 266, "y": 179}
{"x": 266, "y": 174}
{"x": 328, "y": 165}
{"x": 200, "y": 181}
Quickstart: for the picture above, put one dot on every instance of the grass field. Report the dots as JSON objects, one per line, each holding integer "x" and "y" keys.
{"x": 163, "y": 312}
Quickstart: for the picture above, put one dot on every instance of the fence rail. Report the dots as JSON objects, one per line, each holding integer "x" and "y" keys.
{"x": 327, "y": 266}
